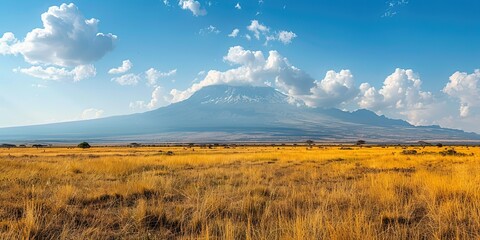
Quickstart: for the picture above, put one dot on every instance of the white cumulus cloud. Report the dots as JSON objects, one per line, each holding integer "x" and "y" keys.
{"x": 257, "y": 28}
{"x": 286, "y": 37}
{"x": 127, "y": 79}
{"x": 253, "y": 68}
{"x": 234, "y": 33}
{"x": 237, "y": 6}
{"x": 193, "y": 6}
{"x": 158, "y": 99}
{"x": 332, "y": 91}
{"x": 53, "y": 73}
{"x": 8, "y": 43}
{"x": 126, "y": 65}
{"x": 262, "y": 31}
{"x": 401, "y": 96}
{"x": 238, "y": 55}
{"x": 67, "y": 39}
{"x": 153, "y": 75}
{"x": 466, "y": 89}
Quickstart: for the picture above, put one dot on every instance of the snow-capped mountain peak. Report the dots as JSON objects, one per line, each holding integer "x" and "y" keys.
{"x": 223, "y": 94}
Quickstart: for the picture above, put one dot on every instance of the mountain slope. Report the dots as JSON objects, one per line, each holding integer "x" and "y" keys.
{"x": 227, "y": 113}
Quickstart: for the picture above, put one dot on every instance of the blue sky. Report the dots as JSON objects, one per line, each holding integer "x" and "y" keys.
{"x": 414, "y": 60}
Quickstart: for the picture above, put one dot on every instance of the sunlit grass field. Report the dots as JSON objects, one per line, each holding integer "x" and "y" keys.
{"x": 240, "y": 192}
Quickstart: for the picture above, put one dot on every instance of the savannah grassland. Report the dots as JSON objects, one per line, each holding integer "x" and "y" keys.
{"x": 269, "y": 192}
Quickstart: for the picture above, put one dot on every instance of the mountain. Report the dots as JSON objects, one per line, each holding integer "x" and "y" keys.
{"x": 233, "y": 113}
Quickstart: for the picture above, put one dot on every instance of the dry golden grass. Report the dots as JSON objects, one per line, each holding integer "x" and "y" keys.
{"x": 280, "y": 192}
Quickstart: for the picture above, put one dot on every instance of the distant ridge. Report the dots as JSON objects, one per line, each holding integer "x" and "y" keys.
{"x": 234, "y": 114}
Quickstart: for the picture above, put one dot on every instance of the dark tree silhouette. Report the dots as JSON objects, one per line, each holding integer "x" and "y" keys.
{"x": 361, "y": 142}
{"x": 135, "y": 145}
{"x": 84, "y": 145}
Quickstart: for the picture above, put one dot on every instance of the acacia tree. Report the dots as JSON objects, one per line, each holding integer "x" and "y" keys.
{"x": 84, "y": 145}
{"x": 361, "y": 142}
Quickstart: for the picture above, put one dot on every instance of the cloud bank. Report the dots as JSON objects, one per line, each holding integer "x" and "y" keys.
{"x": 400, "y": 96}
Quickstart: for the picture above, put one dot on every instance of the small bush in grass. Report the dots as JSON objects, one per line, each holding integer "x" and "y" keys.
{"x": 409, "y": 152}
{"x": 451, "y": 152}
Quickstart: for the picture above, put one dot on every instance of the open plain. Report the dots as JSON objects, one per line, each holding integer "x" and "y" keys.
{"x": 240, "y": 192}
